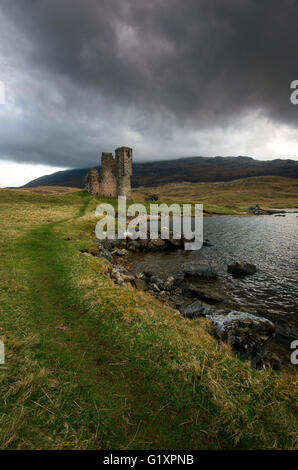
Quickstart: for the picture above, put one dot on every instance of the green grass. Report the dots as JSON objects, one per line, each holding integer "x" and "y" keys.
{"x": 91, "y": 365}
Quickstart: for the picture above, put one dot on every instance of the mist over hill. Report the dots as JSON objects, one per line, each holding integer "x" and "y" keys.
{"x": 192, "y": 169}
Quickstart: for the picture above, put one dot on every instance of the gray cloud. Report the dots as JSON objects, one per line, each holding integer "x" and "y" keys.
{"x": 169, "y": 78}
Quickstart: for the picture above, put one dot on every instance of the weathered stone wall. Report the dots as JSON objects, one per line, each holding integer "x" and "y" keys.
{"x": 92, "y": 182}
{"x": 115, "y": 177}
{"x": 108, "y": 175}
{"x": 124, "y": 173}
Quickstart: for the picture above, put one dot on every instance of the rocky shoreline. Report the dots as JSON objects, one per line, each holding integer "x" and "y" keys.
{"x": 250, "y": 336}
{"x": 257, "y": 210}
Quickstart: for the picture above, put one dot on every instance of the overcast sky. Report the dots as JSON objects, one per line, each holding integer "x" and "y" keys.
{"x": 166, "y": 77}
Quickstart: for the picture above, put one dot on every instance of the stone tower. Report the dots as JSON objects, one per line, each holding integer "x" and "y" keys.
{"x": 115, "y": 175}
{"x": 92, "y": 183}
{"x": 108, "y": 175}
{"x": 124, "y": 171}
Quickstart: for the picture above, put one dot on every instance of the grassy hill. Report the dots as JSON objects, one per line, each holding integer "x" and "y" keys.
{"x": 194, "y": 169}
{"x": 92, "y": 365}
{"x": 229, "y": 197}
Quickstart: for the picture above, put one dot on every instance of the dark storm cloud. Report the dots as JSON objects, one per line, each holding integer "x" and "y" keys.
{"x": 90, "y": 75}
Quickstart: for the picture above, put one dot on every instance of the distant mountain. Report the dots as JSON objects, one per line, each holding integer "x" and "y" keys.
{"x": 193, "y": 169}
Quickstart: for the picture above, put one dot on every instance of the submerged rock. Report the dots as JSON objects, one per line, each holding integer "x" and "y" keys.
{"x": 206, "y": 293}
{"x": 203, "y": 270}
{"x": 242, "y": 268}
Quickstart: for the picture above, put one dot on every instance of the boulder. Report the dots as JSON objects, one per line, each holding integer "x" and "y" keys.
{"x": 256, "y": 210}
{"x": 158, "y": 282}
{"x": 268, "y": 360}
{"x": 143, "y": 244}
{"x": 175, "y": 242}
{"x": 120, "y": 252}
{"x": 103, "y": 253}
{"x": 169, "y": 283}
{"x": 197, "y": 309}
{"x": 119, "y": 278}
{"x": 133, "y": 245}
{"x": 107, "y": 244}
{"x": 140, "y": 284}
{"x": 206, "y": 293}
{"x": 247, "y": 334}
{"x": 203, "y": 270}
{"x": 155, "y": 288}
{"x": 157, "y": 245}
{"x": 147, "y": 273}
{"x": 178, "y": 291}
{"x": 241, "y": 268}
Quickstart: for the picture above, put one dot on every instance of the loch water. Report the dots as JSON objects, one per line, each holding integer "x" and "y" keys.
{"x": 269, "y": 242}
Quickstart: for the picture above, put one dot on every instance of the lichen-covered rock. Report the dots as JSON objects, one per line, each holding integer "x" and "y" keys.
{"x": 247, "y": 334}
{"x": 242, "y": 268}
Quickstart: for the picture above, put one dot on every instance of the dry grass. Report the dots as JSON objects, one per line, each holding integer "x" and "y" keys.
{"x": 268, "y": 191}
{"x": 51, "y": 190}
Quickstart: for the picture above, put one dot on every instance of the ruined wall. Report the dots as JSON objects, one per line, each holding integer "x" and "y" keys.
{"x": 108, "y": 175}
{"x": 115, "y": 177}
{"x": 124, "y": 173}
{"x": 92, "y": 182}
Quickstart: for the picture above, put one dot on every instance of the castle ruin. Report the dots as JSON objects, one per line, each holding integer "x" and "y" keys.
{"x": 115, "y": 175}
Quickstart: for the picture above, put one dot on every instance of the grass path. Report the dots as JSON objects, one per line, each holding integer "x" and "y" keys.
{"x": 95, "y": 398}
{"x": 91, "y": 365}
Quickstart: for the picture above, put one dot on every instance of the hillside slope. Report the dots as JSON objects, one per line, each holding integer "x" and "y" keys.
{"x": 268, "y": 191}
{"x": 194, "y": 169}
